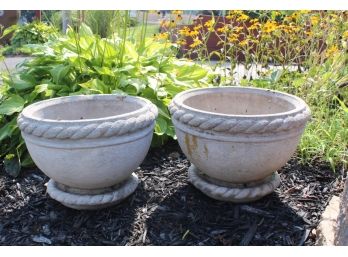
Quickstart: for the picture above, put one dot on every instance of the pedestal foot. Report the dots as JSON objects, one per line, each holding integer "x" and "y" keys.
{"x": 237, "y": 193}
{"x": 82, "y": 199}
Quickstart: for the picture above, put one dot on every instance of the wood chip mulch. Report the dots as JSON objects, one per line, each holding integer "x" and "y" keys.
{"x": 167, "y": 210}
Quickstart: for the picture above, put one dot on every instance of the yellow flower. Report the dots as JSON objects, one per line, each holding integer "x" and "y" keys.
{"x": 224, "y": 29}
{"x": 269, "y": 26}
{"x": 181, "y": 42}
{"x": 178, "y": 17}
{"x": 236, "y": 12}
{"x": 233, "y": 14}
{"x": 304, "y": 11}
{"x": 185, "y": 31}
{"x": 177, "y": 12}
{"x": 238, "y": 29}
{"x": 295, "y": 15}
{"x": 254, "y": 26}
{"x": 332, "y": 50}
{"x": 172, "y": 24}
{"x": 243, "y": 42}
{"x": 314, "y": 20}
{"x": 232, "y": 38}
{"x": 209, "y": 24}
{"x": 345, "y": 34}
{"x": 164, "y": 23}
{"x": 198, "y": 27}
{"x": 309, "y": 33}
{"x": 161, "y": 36}
{"x": 196, "y": 42}
{"x": 243, "y": 17}
{"x": 194, "y": 33}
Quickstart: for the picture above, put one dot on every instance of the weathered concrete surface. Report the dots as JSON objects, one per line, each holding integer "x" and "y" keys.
{"x": 342, "y": 232}
{"x": 328, "y": 224}
{"x": 237, "y": 136}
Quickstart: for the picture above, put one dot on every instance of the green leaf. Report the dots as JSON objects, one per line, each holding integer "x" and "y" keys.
{"x": 134, "y": 86}
{"x": 85, "y": 30}
{"x": 96, "y": 86}
{"x": 161, "y": 126}
{"x": 130, "y": 50}
{"x": 190, "y": 72}
{"x": 104, "y": 71}
{"x": 7, "y": 130}
{"x": 26, "y": 161}
{"x": 275, "y": 76}
{"x": 9, "y": 30}
{"x": 59, "y": 72}
{"x": 13, "y": 104}
{"x": 12, "y": 165}
{"x": 20, "y": 84}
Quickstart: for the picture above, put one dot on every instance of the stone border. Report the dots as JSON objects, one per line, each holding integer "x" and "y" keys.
{"x": 341, "y": 237}
{"x": 325, "y": 231}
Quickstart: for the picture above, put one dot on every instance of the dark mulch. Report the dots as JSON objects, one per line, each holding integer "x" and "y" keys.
{"x": 166, "y": 210}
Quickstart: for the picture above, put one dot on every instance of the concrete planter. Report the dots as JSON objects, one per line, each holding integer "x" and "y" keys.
{"x": 89, "y": 145}
{"x": 237, "y": 137}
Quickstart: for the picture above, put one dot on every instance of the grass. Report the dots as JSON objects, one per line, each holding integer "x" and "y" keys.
{"x": 151, "y": 29}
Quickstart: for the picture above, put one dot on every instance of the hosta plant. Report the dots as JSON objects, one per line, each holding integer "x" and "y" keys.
{"x": 84, "y": 63}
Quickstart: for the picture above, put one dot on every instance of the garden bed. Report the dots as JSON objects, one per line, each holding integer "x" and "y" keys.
{"x": 167, "y": 210}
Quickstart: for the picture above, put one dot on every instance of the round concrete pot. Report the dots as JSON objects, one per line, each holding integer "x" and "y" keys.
{"x": 89, "y": 145}
{"x": 237, "y": 137}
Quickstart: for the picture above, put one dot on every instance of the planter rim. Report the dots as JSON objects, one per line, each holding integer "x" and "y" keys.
{"x": 108, "y": 126}
{"x": 298, "y": 103}
{"x": 30, "y": 109}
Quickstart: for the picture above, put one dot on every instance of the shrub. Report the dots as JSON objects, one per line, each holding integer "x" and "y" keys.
{"x": 31, "y": 33}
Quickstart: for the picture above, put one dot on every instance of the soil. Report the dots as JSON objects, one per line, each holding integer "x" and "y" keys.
{"x": 167, "y": 210}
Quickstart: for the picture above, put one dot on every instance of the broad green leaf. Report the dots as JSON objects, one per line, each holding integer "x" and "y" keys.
{"x": 161, "y": 126}
{"x": 85, "y": 30}
{"x": 9, "y": 30}
{"x": 96, "y": 86}
{"x": 104, "y": 71}
{"x": 13, "y": 104}
{"x": 153, "y": 83}
{"x": 128, "y": 68}
{"x": 7, "y": 130}
{"x": 19, "y": 84}
{"x": 174, "y": 89}
{"x": 275, "y": 76}
{"x": 131, "y": 51}
{"x": 190, "y": 72}
{"x": 134, "y": 86}
{"x": 158, "y": 140}
{"x": 59, "y": 72}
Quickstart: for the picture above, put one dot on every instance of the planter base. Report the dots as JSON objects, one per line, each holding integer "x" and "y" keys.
{"x": 237, "y": 193}
{"x": 82, "y": 199}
